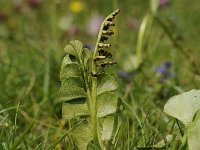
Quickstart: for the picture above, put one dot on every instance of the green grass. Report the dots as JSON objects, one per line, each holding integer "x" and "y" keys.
{"x": 31, "y": 51}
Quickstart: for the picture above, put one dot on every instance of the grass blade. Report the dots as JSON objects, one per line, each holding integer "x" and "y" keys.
{"x": 21, "y": 137}
{"x": 52, "y": 146}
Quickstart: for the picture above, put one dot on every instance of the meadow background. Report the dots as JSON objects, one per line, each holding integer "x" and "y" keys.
{"x": 33, "y": 34}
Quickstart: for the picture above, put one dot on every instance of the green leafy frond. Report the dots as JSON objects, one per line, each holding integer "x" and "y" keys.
{"x": 87, "y": 91}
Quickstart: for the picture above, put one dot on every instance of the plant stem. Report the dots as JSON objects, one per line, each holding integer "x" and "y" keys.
{"x": 94, "y": 103}
{"x": 86, "y": 83}
{"x": 94, "y": 90}
{"x": 140, "y": 39}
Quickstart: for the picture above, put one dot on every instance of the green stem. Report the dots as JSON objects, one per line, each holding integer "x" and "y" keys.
{"x": 94, "y": 110}
{"x": 86, "y": 83}
{"x": 140, "y": 40}
{"x": 46, "y": 83}
{"x": 94, "y": 91}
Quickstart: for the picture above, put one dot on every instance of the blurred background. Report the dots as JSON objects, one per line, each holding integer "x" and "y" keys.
{"x": 33, "y": 34}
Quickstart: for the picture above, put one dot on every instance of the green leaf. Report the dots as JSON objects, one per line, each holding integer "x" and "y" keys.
{"x": 183, "y": 106}
{"x": 70, "y": 70}
{"x": 74, "y": 108}
{"x": 66, "y": 61}
{"x": 71, "y": 88}
{"x": 193, "y": 133}
{"x": 106, "y": 104}
{"x": 106, "y": 82}
{"x": 108, "y": 126}
{"x": 82, "y": 135}
{"x": 74, "y": 48}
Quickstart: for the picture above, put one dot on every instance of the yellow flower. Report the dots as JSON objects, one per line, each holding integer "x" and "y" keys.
{"x": 76, "y": 6}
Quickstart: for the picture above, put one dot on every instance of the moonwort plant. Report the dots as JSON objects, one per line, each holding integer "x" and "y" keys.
{"x": 87, "y": 92}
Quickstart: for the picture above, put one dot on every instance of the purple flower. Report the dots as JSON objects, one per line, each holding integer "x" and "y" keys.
{"x": 123, "y": 73}
{"x": 167, "y": 64}
{"x": 161, "y": 70}
{"x": 164, "y": 3}
{"x": 94, "y": 25}
{"x": 164, "y": 70}
{"x": 89, "y": 46}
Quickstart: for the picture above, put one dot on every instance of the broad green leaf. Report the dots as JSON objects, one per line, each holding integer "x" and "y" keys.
{"x": 183, "y": 106}
{"x": 71, "y": 88}
{"x": 107, "y": 128}
{"x": 70, "y": 70}
{"x": 106, "y": 82}
{"x": 193, "y": 133}
{"x": 74, "y": 48}
{"x": 82, "y": 135}
{"x": 106, "y": 104}
{"x": 66, "y": 61}
{"x": 74, "y": 108}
